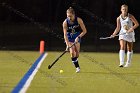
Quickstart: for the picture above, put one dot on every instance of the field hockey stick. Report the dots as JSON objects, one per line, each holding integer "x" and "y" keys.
{"x": 49, "y": 67}
{"x": 101, "y": 38}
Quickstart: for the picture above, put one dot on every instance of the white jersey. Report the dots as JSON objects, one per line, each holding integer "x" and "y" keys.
{"x": 126, "y": 24}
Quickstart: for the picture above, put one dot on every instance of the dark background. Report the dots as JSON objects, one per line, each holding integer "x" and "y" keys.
{"x": 23, "y": 23}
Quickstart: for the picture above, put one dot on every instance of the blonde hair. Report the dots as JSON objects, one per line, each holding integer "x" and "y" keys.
{"x": 71, "y": 10}
{"x": 124, "y": 5}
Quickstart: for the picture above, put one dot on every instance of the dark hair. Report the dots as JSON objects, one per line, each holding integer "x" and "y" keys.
{"x": 71, "y": 10}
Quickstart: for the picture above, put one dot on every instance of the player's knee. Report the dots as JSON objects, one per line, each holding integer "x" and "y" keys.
{"x": 77, "y": 54}
{"x": 122, "y": 47}
{"x": 72, "y": 54}
{"x": 129, "y": 49}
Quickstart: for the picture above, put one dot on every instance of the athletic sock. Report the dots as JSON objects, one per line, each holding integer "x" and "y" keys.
{"x": 122, "y": 56}
{"x": 75, "y": 61}
{"x": 129, "y": 57}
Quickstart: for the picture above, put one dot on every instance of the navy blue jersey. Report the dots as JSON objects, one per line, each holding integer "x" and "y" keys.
{"x": 73, "y": 30}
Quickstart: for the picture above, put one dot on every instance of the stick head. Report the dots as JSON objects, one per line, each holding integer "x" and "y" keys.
{"x": 101, "y": 38}
{"x": 49, "y": 67}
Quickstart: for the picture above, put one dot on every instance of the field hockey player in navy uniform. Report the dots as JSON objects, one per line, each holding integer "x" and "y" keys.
{"x": 74, "y": 29}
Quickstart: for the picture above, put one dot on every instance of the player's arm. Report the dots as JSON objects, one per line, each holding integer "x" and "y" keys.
{"x": 136, "y": 24}
{"x": 84, "y": 30}
{"x": 118, "y": 27}
{"x": 65, "y": 32}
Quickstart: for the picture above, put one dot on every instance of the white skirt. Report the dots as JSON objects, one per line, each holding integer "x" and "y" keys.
{"x": 129, "y": 37}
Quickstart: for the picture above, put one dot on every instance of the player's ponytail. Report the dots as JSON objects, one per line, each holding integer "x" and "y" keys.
{"x": 71, "y": 10}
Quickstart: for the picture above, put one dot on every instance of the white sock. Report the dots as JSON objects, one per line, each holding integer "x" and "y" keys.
{"x": 122, "y": 56}
{"x": 129, "y": 57}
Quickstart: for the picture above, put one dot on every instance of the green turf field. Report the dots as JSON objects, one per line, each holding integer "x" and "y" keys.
{"x": 99, "y": 73}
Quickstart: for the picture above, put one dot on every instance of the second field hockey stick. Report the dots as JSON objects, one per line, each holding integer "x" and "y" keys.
{"x": 101, "y": 38}
{"x": 49, "y": 67}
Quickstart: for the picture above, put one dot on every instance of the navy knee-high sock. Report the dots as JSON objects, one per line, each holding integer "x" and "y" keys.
{"x": 75, "y": 61}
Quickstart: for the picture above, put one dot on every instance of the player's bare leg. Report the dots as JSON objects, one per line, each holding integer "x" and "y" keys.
{"x": 129, "y": 53}
{"x": 122, "y": 52}
{"x": 74, "y": 51}
{"x": 77, "y": 49}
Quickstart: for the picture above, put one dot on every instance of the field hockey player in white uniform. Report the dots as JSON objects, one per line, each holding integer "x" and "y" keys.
{"x": 126, "y": 24}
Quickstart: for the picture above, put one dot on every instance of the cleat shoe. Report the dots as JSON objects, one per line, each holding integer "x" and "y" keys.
{"x": 77, "y": 70}
{"x": 120, "y": 65}
{"x": 127, "y": 65}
